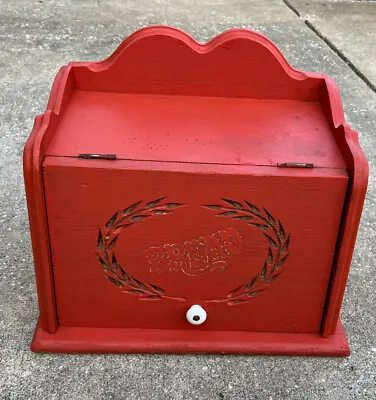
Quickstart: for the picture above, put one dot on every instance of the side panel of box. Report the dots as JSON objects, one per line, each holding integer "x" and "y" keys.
{"x": 34, "y": 153}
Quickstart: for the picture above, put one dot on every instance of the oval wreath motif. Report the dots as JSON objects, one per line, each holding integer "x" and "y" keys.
{"x": 107, "y": 238}
{"x": 278, "y": 244}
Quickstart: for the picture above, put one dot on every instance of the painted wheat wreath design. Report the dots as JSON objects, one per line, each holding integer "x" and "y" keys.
{"x": 278, "y": 245}
{"x": 108, "y": 236}
{"x": 277, "y": 253}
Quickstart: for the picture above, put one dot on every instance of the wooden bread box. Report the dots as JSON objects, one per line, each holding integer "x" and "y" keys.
{"x": 189, "y": 198}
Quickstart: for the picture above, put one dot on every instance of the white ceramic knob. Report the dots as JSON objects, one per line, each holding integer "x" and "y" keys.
{"x": 196, "y": 315}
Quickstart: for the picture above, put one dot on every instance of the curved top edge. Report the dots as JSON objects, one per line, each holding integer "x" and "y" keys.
{"x": 201, "y": 48}
{"x": 338, "y": 115}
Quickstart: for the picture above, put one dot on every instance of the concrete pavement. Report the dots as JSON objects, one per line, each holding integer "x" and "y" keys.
{"x": 36, "y": 38}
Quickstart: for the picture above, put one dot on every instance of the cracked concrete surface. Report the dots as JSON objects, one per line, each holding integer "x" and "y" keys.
{"x": 36, "y": 38}
{"x": 349, "y": 27}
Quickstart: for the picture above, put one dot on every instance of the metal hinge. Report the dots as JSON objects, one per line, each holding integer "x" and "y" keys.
{"x": 295, "y": 165}
{"x": 98, "y": 156}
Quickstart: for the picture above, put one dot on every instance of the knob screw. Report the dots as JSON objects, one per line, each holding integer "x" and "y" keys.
{"x": 196, "y": 315}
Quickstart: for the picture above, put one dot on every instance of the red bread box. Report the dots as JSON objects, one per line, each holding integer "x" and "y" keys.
{"x": 175, "y": 174}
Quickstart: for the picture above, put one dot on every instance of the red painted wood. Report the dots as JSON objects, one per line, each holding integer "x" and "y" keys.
{"x": 347, "y": 239}
{"x": 358, "y": 171}
{"x": 82, "y": 195}
{"x": 105, "y": 340}
{"x": 196, "y": 129}
{"x": 38, "y": 227}
{"x": 207, "y": 112}
{"x": 237, "y": 63}
{"x": 34, "y": 152}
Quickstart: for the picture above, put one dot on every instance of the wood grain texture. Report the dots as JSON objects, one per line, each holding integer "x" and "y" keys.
{"x": 82, "y": 196}
{"x": 107, "y": 340}
{"x": 358, "y": 171}
{"x": 196, "y": 129}
{"x": 35, "y": 150}
{"x": 163, "y": 60}
{"x": 39, "y": 228}
{"x": 228, "y": 95}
